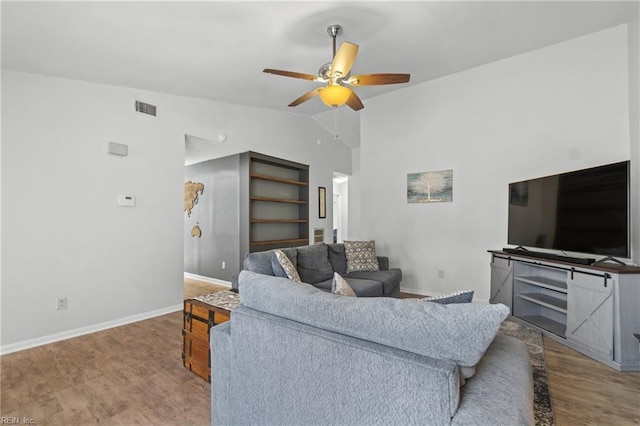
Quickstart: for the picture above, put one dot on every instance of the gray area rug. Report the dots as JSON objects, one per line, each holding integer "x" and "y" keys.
{"x": 541, "y": 397}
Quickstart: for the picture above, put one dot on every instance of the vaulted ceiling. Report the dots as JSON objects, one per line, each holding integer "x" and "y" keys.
{"x": 217, "y": 50}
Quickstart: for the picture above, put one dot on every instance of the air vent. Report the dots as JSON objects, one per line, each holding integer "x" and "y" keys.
{"x": 146, "y": 108}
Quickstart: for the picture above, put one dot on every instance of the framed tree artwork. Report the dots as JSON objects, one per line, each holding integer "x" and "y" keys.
{"x": 430, "y": 187}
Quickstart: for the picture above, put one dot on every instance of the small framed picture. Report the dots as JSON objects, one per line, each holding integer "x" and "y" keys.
{"x": 322, "y": 202}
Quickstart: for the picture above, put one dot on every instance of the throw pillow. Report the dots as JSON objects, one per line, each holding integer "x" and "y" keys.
{"x": 466, "y": 373}
{"x": 465, "y": 296}
{"x": 287, "y": 266}
{"x": 340, "y": 286}
{"x": 291, "y": 253}
{"x": 361, "y": 256}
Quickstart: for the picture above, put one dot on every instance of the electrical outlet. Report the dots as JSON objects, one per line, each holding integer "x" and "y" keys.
{"x": 62, "y": 303}
{"x": 440, "y": 274}
{"x": 224, "y": 265}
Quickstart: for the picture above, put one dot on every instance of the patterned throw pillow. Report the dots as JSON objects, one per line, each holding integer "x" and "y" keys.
{"x": 340, "y": 286}
{"x": 287, "y": 266}
{"x": 465, "y": 296}
{"x": 361, "y": 256}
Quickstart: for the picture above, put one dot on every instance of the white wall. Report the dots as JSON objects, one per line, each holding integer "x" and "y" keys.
{"x": 552, "y": 110}
{"x": 62, "y": 232}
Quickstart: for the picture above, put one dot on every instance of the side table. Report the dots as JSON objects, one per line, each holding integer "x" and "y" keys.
{"x": 200, "y": 314}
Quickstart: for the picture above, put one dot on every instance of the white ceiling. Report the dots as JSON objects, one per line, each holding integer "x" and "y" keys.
{"x": 217, "y": 50}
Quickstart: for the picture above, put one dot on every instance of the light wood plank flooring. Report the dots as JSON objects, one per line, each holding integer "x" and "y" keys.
{"x": 134, "y": 375}
{"x": 193, "y": 288}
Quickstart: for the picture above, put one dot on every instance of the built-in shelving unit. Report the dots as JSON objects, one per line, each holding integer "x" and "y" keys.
{"x": 277, "y": 212}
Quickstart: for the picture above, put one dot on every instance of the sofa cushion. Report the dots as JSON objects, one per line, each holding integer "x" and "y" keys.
{"x": 390, "y": 279}
{"x": 459, "y": 332}
{"x": 340, "y": 286}
{"x": 361, "y": 256}
{"x": 286, "y": 265}
{"x": 260, "y": 262}
{"x": 337, "y": 258}
{"x": 313, "y": 263}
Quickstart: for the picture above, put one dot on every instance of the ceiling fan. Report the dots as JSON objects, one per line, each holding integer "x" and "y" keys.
{"x": 337, "y": 76}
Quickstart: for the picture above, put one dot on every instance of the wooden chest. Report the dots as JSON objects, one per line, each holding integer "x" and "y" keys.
{"x": 198, "y": 318}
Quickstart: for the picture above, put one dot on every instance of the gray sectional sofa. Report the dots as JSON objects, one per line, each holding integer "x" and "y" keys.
{"x": 316, "y": 265}
{"x": 295, "y": 355}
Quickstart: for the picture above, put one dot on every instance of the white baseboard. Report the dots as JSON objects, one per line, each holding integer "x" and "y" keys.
{"x": 418, "y": 292}
{"x": 208, "y": 279}
{"x": 52, "y": 338}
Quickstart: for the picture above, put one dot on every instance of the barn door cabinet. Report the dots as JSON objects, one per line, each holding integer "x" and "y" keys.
{"x": 592, "y": 309}
{"x": 501, "y": 281}
{"x": 590, "y": 323}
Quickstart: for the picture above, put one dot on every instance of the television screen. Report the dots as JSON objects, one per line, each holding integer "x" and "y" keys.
{"x": 585, "y": 211}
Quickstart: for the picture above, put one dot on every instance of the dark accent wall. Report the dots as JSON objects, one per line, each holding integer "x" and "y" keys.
{"x": 217, "y": 214}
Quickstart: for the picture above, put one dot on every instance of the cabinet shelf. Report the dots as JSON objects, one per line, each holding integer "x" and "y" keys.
{"x": 278, "y": 200}
{"x": 279, "y": 221}
{"x": 546, "y": 301}
{"x": 299, "y": 241}
{"x": 543, "y": 282}
{"x": 278, "y": 179}
{"x": 555, "y": 327}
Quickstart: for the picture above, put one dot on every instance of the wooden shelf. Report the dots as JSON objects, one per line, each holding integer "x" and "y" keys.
{"x": 300, "y": 241}
{"x": 278, "y": 179}
{"x": 546, "y": 301}
{"x": 278, "y": 200}
{"x": 543, "y": 282}
{"x": 279, "y": 221}
{"x": 277, "y": 203}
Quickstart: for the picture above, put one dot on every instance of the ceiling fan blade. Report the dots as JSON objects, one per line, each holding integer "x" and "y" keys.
{"x": 290, "y": 74}
{"x": 344, "y": 59}
{"x": 378, "y": 79}
{"x": 354, "y": 102}
{"x": 310, "y": 94}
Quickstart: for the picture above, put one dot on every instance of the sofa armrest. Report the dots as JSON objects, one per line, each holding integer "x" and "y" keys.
{"x": 383, "y": 261}
{"x": 501, "y": 391}
{"x": 221, "y": 359}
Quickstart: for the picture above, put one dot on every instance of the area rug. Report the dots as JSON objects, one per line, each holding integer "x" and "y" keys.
{"x": 533, "y": 339}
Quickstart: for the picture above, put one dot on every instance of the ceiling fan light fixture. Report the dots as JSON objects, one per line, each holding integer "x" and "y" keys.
{"x": 335, "y": 95}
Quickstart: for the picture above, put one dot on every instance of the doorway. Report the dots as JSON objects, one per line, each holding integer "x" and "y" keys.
{"x": 340, "y": 207}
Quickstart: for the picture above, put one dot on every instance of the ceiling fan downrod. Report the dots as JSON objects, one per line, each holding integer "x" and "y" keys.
{"x": 334, "y": 31}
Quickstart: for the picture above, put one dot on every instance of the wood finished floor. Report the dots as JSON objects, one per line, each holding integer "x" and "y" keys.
{"x": 133, "y": 375}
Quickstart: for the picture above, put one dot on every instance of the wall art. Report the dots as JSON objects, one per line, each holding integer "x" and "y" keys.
{"x": 430, "y": 187}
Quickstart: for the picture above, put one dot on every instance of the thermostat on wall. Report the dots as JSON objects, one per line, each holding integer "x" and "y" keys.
{"x": 126, "y": 200}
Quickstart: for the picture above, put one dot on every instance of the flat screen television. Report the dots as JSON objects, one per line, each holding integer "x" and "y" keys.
{"x": 583, "y": 211}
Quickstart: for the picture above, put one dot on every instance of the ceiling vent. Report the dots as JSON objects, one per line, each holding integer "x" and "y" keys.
{"x": 146, "y": 108}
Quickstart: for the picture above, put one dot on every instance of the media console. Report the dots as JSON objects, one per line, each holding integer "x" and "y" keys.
{"x": 590, "y": 308}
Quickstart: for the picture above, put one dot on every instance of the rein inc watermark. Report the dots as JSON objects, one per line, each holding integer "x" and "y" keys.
{"x": 16, "y": 420}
